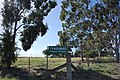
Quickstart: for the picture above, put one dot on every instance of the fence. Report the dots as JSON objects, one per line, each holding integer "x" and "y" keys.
{"x": 31, "y": 63}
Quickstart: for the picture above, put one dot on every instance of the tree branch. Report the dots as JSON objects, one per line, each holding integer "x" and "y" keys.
{"x": 20, "y": 26}
{"x": 22, "y": 11}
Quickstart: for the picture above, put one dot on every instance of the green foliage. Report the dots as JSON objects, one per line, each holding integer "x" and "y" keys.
{"x": 107, "y": 17}
{"x": 91, "y": 53}
{"x": 27, "y": 15}
{"x": 29, "y": 35}
{"x": 76, "y": 54}
{"x": 31, "y": 14}
{"x": 107, "y": 59}
{"x": 91, "y": 27}
{"x": 105, "y": 53}
{"x": 34, "y": 25}
{"x": 45, "y": 52}
{"x": 73, "y": 16}
{"x": 7, "y": 57}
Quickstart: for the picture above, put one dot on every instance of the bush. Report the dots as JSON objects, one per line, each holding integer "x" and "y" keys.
{"x": 91, "y": 53}
{"x": 105, "y": 59}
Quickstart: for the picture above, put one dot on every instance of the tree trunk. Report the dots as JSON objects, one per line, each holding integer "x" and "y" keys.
{"x": 117, "y": 42}
{"x": 87, "y": 60}
{"x": 12, "y": 55}
{"x": 94, "y": 60}
{"x": 9, "y": 65}
{"x": 117, "y": 52}
{"x": 82, "y": 56}
{"x": 98, "y": 54}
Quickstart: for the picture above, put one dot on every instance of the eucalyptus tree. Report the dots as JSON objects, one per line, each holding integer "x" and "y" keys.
{"x": 64, "y": 41}
{"x": 75, "y": 21}
{"x": 81, "y": 19}
{"x": 101, "y": 41}
{"x": 106, "y": 18}
{"x": 63, "y": 38}
{"x": 25, "y": 16}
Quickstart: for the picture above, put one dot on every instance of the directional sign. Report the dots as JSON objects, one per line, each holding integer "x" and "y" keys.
{"x": 63, "y": 50}
{"x": 57, "y": 49}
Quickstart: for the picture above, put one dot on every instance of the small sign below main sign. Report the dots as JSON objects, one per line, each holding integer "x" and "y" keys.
{"x": 57, "y": 49}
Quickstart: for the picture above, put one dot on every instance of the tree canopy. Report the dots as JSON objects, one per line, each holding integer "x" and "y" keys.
{"x": 24, "y": 18}
{"x": 91, "y": 27}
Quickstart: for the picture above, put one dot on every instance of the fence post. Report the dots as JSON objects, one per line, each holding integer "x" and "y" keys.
{"x": 29, "y": 63}
{"x": 119, "y": 70}
{"x": 47, "y": 63}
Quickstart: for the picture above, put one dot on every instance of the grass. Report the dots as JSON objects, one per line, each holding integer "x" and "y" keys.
{"x": 103, "y": 68}
{"x": 7, "y": 78}
{"x": 39, "y": 62}
{"x": 97, "y": 71}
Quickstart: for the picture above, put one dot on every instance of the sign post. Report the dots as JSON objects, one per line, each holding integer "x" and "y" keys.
{"x": 62, "y": 50}
{"x": 69, "y": 70}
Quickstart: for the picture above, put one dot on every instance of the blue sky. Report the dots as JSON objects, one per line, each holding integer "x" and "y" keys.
{"x": 51, "y": 38}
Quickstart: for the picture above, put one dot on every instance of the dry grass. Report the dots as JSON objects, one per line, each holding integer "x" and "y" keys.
{"x": 96, "y": 71}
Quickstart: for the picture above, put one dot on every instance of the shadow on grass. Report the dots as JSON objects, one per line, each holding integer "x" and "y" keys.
{"x": 81, "y": 75}
{"x": 22, "y": 74}
{"x": 91, "y": 75}
{"x": 19, "y": 74}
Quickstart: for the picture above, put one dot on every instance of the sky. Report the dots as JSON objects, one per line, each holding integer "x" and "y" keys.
{"x": 49, "y": 39}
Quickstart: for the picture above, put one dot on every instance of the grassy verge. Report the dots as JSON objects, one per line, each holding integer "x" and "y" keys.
{"x": 96, "y": 71}
{"x": 7, "y": 78}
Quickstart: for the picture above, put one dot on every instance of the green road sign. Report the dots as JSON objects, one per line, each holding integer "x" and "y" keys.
{"x": 57, "y": 49}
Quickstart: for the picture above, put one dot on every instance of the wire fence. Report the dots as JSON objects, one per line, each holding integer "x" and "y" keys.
{"x": 32, "y": 63}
